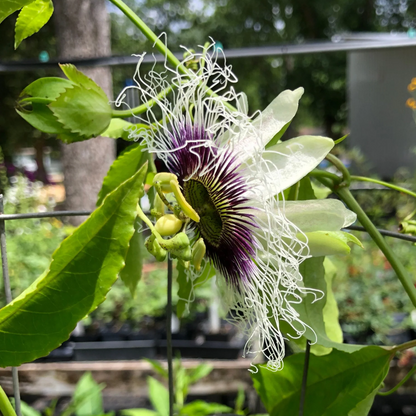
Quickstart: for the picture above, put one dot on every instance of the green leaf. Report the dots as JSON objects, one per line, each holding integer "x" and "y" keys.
{"x": 157, "y": 367}
{"x": 31, "y": 19}
{"x": 159, "y": 396}
{"x": 87, "y": 397}
{"x": 186, "y": 286}
{"x": 311, "y": 311}
{"x": 82, "y": 271}
{"x": 200, "y": 371}
{"x": 82, "y": 111}
{"x": 26, "y": 410}
{"x": 124, "y": 167}
{"x": 80, "y": 79}
{"x": 131, "y": 273}
{"x": 331, "y": 311}
{"x": 336, "y": 384}
{"x": 364, "y": 407}
{"x": 119, "y": 128}
{"x": 7, "y": 7}
{"x": 139, "y": 412}
{"x": 201, "y": 408}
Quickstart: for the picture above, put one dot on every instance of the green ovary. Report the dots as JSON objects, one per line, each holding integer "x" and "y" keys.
{"x": 210, "y": 225}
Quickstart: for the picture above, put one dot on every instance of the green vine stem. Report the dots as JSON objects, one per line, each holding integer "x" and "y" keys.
{"x": 394, "y": 389}
{"x": 386, "y": 184}
{"x": 346, "y": 177}
{"x": 406, "y": 281}
{"x": 5, "y": 405}
{"x": 163, "y": 49}
{"x": 143, "y": 107}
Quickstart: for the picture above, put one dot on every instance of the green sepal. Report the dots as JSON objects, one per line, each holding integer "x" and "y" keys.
{"x": 31, "y": 19}
{"x": 327, "y": 243}
{"x": 82, "y": 271}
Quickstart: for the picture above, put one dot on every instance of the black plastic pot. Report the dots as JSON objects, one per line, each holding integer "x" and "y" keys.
{"x": 208, "y": 349}
{"x": 114, "y": 350}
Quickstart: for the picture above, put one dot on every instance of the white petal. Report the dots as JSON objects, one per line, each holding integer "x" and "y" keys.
{"x": 290, "y": 161}
{"x": 319, "y": 215}
{"x": 275, "y": 116}
{"x": 278, "y": 113}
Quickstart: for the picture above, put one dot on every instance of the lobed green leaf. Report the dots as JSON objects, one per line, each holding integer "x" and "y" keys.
{"x": 31, "y": 19}
{"x": 81, "y": 273}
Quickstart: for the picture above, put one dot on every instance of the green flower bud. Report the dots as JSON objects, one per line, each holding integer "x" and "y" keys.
{"x": 198, "y": 253}
{"x": 179, "y": 246}
{"x": 154, "y": 248}
{"x": 168, "y": 225}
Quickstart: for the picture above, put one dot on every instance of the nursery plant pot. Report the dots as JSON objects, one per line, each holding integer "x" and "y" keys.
{"x": 208, "y": 349}
{"x": 114, "y": 350}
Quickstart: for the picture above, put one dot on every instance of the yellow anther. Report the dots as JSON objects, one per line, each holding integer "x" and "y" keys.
{"x": 411, "y": 87}
{"x": 198, "y": 253}
{"x": 183, "y": 203}
{"x": 168, "y": 225}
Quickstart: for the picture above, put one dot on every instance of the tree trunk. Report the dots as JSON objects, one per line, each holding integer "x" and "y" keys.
{"x": 83, "y": 31}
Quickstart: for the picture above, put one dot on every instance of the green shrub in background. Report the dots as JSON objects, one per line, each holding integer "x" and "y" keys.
{"x": 31, "y": 242}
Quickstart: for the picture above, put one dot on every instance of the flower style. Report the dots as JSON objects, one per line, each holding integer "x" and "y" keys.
{"x": 254, "y": 239}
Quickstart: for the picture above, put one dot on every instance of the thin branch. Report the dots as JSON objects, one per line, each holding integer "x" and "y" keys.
{"x": 399, "y": 384}
{"x": 304, "y": 378}
{"x": 169, "y": 336}
{"x": 386, "y": 184}
{"x": 346, "y": 177}
{"x": 386, "y": 233}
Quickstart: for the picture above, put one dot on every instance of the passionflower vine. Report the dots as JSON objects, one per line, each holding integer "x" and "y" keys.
{"x": 231, "y": 189}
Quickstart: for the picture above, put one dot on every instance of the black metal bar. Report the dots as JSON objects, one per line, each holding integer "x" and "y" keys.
{"x": 169, "y": 335}
{"x": 384, "y": 232}
{"x": 8, "y": 293}
{"x": 31, "y": 215}
{"x": 304, "y": 378}
{"x": 250, "y": 52}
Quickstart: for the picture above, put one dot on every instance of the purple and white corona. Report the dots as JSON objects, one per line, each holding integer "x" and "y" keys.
{"x": 234, "y": 182}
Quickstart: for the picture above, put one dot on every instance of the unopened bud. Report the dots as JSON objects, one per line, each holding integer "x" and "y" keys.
{"x": 168, "y": 225}
{"x": 198, "y": 253}
{"x": 154, "y": 248}
{"x": 179, "y": 246}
